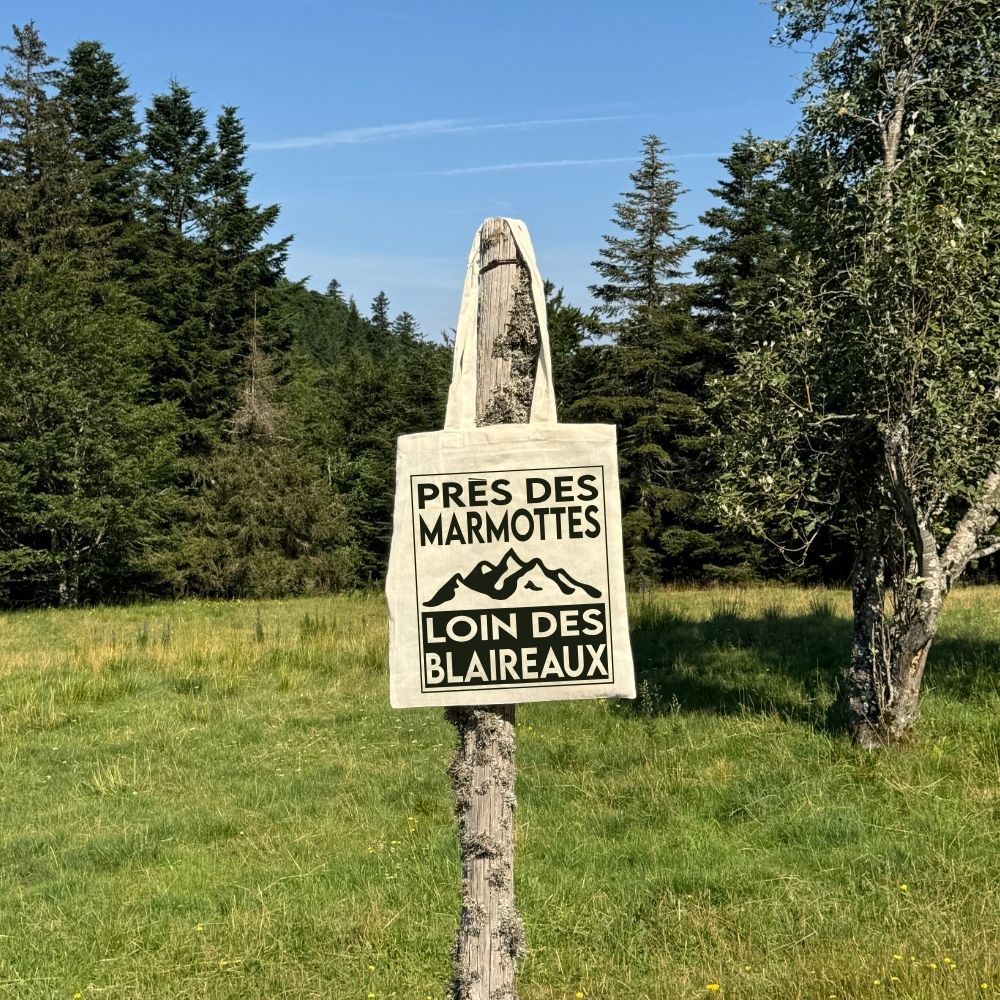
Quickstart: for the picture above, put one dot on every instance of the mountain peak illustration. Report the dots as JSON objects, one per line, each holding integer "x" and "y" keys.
{"x": 509, "y": 576}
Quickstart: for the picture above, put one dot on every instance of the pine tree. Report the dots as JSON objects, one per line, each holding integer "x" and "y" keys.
{"x": 244, "y": 270}
{"x": 404, "y": 327}
{"x": 745, "y": 256}
{"x": 178, "y": 155}
{"x": 86, "y": 467}
{"x": 105, "y": 131}
{"x": 379, "y": 320}
{"x": 747, "y": 244}
{"x": 38, "y": 171}
{"x": 575, "y": 356}
{"x": 188, "y": 368}
{"x": 265, "y": 522}
{"x": 652, "y": 377}
{"x": 209, "y": 273}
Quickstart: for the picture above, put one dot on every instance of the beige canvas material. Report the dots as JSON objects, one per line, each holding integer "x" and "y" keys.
{"x": 505, "y": 579}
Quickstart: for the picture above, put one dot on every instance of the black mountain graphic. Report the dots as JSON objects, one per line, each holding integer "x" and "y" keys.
{"x": 509, "y": 576}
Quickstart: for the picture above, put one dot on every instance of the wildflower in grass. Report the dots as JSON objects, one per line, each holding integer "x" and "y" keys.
{"x": 712, "y": 987}
{"x": 371, "y": 968}
{"x": 948, "y": 961}
{"x": 199, "y": 928}
{"x": 904, "y": 888}
{"x": 580, "y": 995}
{"x": 932, "y": 965}
{"x": 898, "y": 958}
{"x": 77, "y": 995}
{"x": 876, "y": 982}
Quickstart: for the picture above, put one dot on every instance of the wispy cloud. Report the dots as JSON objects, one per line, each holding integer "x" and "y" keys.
{"x": 491, "y": 168}
{"x": 428, "y": 127}
{"x": 494, "y": 168}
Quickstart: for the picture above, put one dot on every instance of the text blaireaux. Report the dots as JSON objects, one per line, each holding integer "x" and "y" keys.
{"x": 480, "y": 510}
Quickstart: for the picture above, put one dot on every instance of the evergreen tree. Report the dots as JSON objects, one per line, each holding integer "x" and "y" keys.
{"x": 38, "y": 170}
{"x": 105, "y": 130}
{"x": 404, "y": 327}
{"x": 244, "y": 271}
{"x": 263, "y": 523}
{"x": 350, "y": 400}
{"x": 652, "y": 377}
{"x": 575, "y": 355}
{"x": 747, "y": 244}
{"x": 178, "y": 156}
{"x": 85, "y": 465}
{"x": 379, "y": 321}
{"x": 189, "y": 366}
{"x": 209, "y": 273}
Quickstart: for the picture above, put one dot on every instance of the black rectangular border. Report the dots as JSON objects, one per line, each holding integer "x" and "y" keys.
{"x": 607, "y": 568}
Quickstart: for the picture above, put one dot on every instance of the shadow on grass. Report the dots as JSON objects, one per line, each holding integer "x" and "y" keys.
{"x": 769, "y": 662}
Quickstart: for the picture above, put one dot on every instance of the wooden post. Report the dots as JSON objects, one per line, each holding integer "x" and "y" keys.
{"x": 490, "y": 935}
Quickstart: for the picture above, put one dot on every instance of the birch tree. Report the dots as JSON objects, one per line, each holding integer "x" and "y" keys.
{"x": 873, "y": 394}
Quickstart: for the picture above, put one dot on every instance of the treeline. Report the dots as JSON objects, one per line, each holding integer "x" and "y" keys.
{"x": 177, "y": 417}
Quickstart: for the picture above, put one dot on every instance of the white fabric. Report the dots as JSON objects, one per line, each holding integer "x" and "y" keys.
{"x": 505, "y": 578}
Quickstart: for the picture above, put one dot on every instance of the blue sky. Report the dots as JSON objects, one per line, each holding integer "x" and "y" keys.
{"x": 388, "y": 131}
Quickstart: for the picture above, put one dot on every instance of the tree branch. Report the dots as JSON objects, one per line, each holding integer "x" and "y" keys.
{"x": 978, "y": 522}
{"x": 919, "y": 530}
{"x": 985, "y": 553}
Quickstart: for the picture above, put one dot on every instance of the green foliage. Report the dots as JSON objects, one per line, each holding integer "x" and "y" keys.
{"x": 575, "y": 355}
{"x": 261, "y": 522}
{"x": 881, "y": 343}
{"x": 745, "y": 249}
{"x": 140, "y": 298}
{"x": 86, "y": 466}
{"x": 353, "y": 390}
{"x": 650, "y": 380}
{"x": 208, "y": 275}
{"x": 105, "y": 131}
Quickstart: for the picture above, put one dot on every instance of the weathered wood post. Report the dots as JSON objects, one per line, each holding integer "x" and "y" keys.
{"x": 506, "y": 579}
{"x": 490, "y": 936}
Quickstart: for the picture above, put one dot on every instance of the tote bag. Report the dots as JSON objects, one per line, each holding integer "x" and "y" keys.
{"x": 505, "y": 579}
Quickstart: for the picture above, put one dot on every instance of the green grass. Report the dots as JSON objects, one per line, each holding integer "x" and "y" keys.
{"x": 197, "y": 802}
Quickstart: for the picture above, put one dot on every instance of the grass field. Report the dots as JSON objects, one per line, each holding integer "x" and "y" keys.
{"x": 207, "y": 800}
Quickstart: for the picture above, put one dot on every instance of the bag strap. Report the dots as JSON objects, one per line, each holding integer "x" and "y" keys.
{"x": 461, "y": 411}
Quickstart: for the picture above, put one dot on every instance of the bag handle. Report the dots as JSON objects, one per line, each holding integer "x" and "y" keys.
{"x": 461, "y": 411}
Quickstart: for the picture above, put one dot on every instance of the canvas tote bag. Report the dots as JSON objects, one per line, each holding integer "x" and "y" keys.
{"x": 505, "y": 579}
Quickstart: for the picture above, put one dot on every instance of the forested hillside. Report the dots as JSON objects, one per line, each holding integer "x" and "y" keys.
{"x": 177, "y": 417}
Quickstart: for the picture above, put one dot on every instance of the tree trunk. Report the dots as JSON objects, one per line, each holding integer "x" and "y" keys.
{"x": 886, "y": 671}
{"x": 490, "y": 935}
{"x": 888, "y": 652}
{"x": 866, "y": 684}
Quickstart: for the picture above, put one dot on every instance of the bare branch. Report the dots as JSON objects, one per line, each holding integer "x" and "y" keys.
{"x": 978, "y": 522}
{"x": 985, "y": 553}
